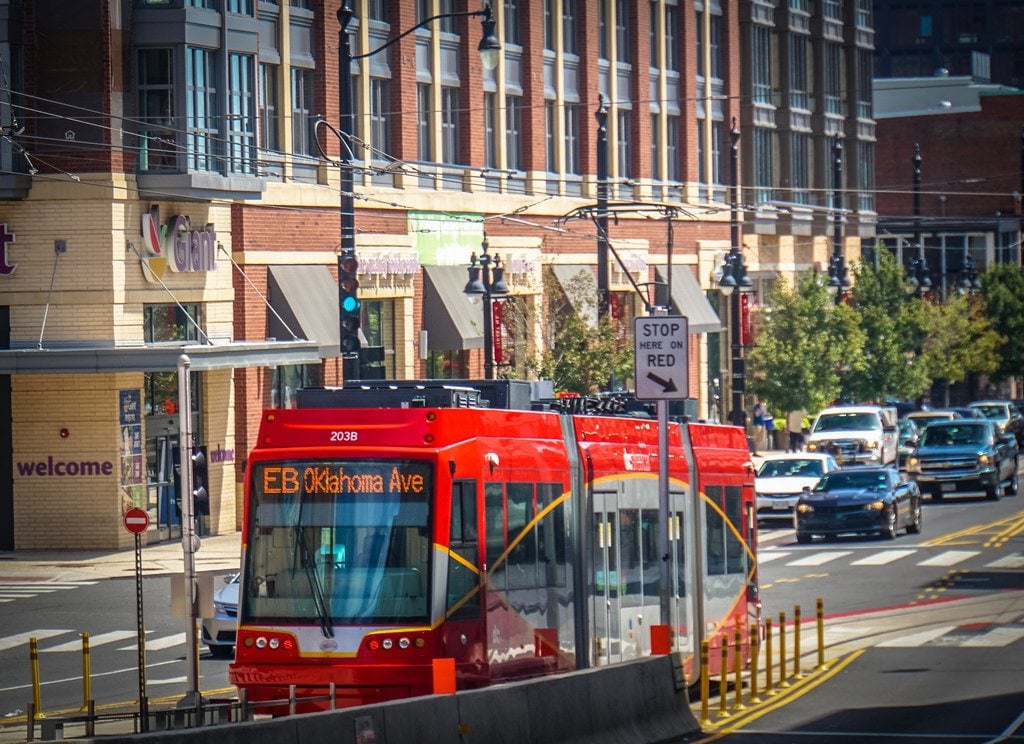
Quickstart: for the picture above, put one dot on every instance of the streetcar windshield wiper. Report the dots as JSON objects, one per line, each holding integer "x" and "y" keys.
{"x": 309, "y": 566}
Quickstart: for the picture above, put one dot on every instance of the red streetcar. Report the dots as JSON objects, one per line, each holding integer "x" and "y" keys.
{"x": 390, "y": 525}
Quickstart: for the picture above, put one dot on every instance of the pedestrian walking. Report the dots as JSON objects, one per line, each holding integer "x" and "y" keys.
{"x": 795, "y": 429}
{"x": 759, "y": 422}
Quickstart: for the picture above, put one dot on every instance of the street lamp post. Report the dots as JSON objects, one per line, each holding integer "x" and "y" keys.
{"x": 838, "y": 280}
{"x": 734, "y": 280}
{"x": 919, "y": 279}
{"x": 603, "y": 293}
{"x": 348, "y": 301}
{"x": 486, "y": 278}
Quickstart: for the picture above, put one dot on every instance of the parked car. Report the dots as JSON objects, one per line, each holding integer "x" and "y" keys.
{"x": 966, "y": 412}
{"x": 858, "y": 500}
{"x": 856, "y": 435}
{"x": 782, "y": 478}
{"x": 218, "y": 632}
{"x": 923, "y": 418}
{"x": 907, "y": 435}
{"x": 1005, "y": 413}
{"x": 964, "y": 456}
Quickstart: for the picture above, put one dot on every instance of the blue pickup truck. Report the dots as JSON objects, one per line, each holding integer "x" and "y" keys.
{"x": 963, "y": 456}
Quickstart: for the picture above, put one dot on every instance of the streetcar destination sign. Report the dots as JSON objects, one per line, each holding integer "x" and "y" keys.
{"x": 661, "y": 357}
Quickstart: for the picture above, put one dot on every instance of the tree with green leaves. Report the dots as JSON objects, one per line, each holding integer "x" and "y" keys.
{"x": 893, "y": 333}
{"x": 583, "y": 354}
{"x": 959, "y": 340}
{"x": 1002, "y": 287}
{"x": 805, "y": 345}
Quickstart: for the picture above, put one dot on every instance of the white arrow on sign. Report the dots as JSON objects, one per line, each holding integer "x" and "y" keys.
{"x": 661, "y": 357}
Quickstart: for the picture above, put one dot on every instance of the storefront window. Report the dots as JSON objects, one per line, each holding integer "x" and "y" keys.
{"x": 168, "y": 323}
{"x": 289, "y": 378}
{"x": 447, "y": 365}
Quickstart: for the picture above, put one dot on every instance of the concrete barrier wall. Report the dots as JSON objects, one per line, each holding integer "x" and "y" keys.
{"x": 639, "y": 702}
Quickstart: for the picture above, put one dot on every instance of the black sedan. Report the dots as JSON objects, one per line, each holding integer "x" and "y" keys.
{"x": 875, "y": 500}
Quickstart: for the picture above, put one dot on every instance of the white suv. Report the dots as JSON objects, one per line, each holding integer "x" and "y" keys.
{"x": 856, "y": 435}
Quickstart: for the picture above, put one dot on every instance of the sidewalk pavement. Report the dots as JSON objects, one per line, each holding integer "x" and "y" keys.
{"x": 217, "y": 553}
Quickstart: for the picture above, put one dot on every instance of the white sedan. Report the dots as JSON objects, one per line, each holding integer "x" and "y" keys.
{"x": 782, "y": 478}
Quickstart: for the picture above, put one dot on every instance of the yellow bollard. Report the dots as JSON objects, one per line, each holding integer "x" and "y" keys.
{"x": 821, "y": 633}
{"x": 723, "y": 677}
{"x": 769, "y": 688}
{"x": 796, "y": 643}
{"x": 783, "y": 680}
{"x": 737, "y": 666}
{"x": 705, "y": 683}
{"x": 755, "y": 652}
{"x": 33, "y": 655}
{"x": 86, "y": 680}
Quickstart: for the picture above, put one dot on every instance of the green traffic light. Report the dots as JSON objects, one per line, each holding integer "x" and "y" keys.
{"x": 350, "y": 304}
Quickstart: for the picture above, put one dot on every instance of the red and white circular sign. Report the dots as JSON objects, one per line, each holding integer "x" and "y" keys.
{"x": 136, "y": 520}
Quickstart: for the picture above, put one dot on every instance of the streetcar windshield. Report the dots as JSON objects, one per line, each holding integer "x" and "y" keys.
{"x": 338, "y": 542}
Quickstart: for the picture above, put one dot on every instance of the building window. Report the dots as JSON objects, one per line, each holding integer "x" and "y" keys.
{"x": 761, "y": 63}
{"x": 671, "y": 38}
{"x": 447, "y": 365}
{"x": 380, "y": 132}
{"x": 764, "y": 166}
{"x": 866, "y": 176}
{"x": 490, "y": 130}
{"x": 302, "y": 107}
{"x": 624, "y": 122}
{"x": 865, "y": 71}
{"x": 655, "y": 149}
{"x": 672, "y": 168}
{"x": 572, "y": 136}
{"x": 201, "y": 109}
{"x": 449, "y": 125}
{"x": 376, "y": 10}
{"x": 511, "y": 21}
{"x": 550, "y": 156}
{"x": 569, "y": 26}
{"x": 833, "y": 79}
{"x": 513, "y": 132}
{"x": 288, "y": 379}
{"x": 715, "y": 43}
{"x": 241, "y": 120}
{"x": 832, "y": 9}
{"x": 270, "y": 134}
{"x": 426, "y": 152}
{"x": 799, "y": 166}
{"x": 799, "y": 90}
{"x": 549, "y": 26}
{"x": 622, "y": 30}
{"x": 157, "y": 150}
{"x": 602, "y": 30}
{"x": 239, "y": 7}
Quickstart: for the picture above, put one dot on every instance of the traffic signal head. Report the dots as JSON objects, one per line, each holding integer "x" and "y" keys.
{"x": 349, "y": 304}
{"x": 200, "y": 482}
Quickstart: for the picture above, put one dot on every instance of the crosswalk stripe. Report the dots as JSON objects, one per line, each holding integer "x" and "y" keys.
{"x": 995, "y": 638}
{"x": 26, "y": 591}
{"x": 21, "y": 639}
{"x": 1009, "y": 561}
{"x": 950, "y": 558}
{"x": 159, "y": 644}
{"x": 769, "y": 557}
{"x": 880, "y": 559}
{"x": 96, "y": 640}
{"x": 45, "y": 584}
{"x": 916, "y": 639}
{"x": 816, "y": 559}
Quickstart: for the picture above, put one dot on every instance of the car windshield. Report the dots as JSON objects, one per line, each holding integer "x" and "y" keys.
{"x": 948, "y": 436}
{"x": 847, "y": 422}
{"x": 844, "y": 479}
{"x": 925, "y": 420}
{"x": 993, "y": 411}
{"x": 802, "y": 467}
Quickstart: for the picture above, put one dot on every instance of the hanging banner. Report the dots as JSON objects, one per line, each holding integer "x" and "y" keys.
{"x": 499, "y": 333}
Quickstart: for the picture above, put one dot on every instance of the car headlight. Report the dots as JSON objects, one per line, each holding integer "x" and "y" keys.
{"x": 804, "y": 508}
{"x": 871, "y": 444}
{"x": 984, "y": 459}
{"x": 913, "y": 463}
{"x": 877, "y": 505}
{"x": 812, "y": 446}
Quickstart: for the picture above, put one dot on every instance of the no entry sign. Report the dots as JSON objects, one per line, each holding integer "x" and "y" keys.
{"x": 136, "y": 520}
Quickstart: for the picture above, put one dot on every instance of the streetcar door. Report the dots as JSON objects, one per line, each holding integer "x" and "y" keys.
{"x": 606, "y": 612}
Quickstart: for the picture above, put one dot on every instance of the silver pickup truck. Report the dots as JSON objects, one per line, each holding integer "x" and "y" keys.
{"x": 856, "y": 435}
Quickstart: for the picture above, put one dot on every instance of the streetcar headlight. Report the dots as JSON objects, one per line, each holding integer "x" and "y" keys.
{"x": 261, "y": 642}
{"x": 387, "y": 643}
{"x": 274, "y": 642}
{"x": 403, "y": 643}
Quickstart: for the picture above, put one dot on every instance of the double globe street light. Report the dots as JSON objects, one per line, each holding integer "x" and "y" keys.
{"x": 349, "y": 304}
{"x": 486, "y": 279}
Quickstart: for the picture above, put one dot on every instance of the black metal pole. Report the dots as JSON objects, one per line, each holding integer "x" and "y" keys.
{"x": 1020, "y": 205}
{"x": 736, "y": 259}
{"x": 347, "y": 215}
{"x": 838, "y": 262}
{"x": 485, "y": 262}
{"x": 603, "y": 294}
{"x": 921, "y": 267}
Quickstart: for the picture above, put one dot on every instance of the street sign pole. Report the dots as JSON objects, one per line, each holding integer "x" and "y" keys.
{"x": 662, "y": 373}
{"x": 136, "y": 521}
{"x": 188, "y": 536}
